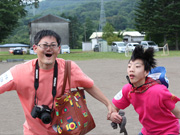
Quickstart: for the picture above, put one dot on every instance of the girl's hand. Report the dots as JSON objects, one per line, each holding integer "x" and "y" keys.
{"x": 115, "y": 117}
{"x": 111, "y": 109}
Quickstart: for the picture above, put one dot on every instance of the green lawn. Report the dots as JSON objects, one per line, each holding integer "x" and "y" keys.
{"x": 77, "y": 54}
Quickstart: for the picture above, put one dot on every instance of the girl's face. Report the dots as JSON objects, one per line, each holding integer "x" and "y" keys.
{"x": 136, "y": 72}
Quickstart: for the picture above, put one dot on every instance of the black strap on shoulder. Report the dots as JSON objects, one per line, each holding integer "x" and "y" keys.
{"x": 55, "y": 79}
{"x": 36, "y": 82}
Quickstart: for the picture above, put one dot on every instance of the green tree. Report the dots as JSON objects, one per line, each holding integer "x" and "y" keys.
{"x": 144, "y": 16}
{"x": 162, "y": 22}
{"x": 119, "y": 22}
{"x": 165, "y": 14}
{"x": 21, "y": 33}
{"x": 109, "y": 35}
{"x": 89, "y": 28}
{"x": 121, "y": 11}
{"x": 75, "y": 31}
{"x": 10, "y": 12}
{"x": 21, "y": 37}
{"x": 174, "y": 21}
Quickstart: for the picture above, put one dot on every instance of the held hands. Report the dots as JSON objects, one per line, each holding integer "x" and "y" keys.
{"x": 119, "y": 121}
{"x": 115, "y": 117}
{"x": 111, "y": 109}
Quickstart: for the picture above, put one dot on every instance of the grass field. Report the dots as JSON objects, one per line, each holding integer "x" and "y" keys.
{"x": 77, "y": 54}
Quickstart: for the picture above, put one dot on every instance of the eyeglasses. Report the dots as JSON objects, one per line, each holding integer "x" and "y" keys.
{"x": 45, "y": 46}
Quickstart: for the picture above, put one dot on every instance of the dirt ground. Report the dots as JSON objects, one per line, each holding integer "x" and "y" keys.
{"x": 109, "y": 76}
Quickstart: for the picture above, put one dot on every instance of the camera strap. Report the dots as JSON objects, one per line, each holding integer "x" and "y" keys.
{"x": 36, "y": 82}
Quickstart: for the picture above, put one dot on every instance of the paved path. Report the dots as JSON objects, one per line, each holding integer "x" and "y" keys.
{"x": 109, "y": 76}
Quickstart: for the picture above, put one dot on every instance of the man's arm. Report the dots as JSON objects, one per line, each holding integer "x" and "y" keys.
{"x": 97, "y": 94}
{"x": 6, "y": 82}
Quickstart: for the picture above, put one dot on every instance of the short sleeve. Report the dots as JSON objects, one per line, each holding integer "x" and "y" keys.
{"x": 7, "y": 81}
{"x": 121, "y": 100}
{"x": 169, "y": 100}
{"x": 79, "y": 78}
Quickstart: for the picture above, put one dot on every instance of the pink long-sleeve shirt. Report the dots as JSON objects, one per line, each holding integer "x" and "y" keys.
{"x": 154, "y": 108}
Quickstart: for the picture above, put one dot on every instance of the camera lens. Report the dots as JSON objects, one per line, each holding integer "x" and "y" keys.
{"x": 46, "y": 118}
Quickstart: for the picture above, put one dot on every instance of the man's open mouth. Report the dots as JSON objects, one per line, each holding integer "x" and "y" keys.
{"x": 48, "y": 55}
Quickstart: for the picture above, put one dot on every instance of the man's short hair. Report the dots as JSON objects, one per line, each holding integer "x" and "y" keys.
{"x": 44, "y": 33}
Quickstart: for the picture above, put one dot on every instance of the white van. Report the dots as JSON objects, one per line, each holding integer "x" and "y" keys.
{"x": 118, "y": 46}
{"x": 31, "y": 51}
{"x": 147, "y": 44}
{"x": 64, "y": 49}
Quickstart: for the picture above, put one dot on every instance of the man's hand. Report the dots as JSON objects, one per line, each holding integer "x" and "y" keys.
{"x": 111, "y": 109}
{"x": 115, "y": 117}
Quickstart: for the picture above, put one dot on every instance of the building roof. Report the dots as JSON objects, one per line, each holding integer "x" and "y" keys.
{"x": 96, "y": 35}
{"x": 125, "y": 33}
{"x": 50, "y": 18}
{"x": 14, "y": 45}
{"x": 132, "y": 33}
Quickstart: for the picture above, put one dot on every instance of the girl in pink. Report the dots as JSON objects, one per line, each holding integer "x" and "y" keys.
{"x": 151, "y": 100}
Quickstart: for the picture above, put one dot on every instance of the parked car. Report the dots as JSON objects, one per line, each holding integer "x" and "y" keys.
{"x": 119, "y": 47}
{"x": 147, "y": 44}
{"x": 131, "y": 46}
{"x": 17, "y": 51}
{"x": 11, "y": 50}
{"x": 25, "y": 50}
{"x": 96, "y": 48}
{"x": 65, "y": 49}
{"x": 31, "y": 51}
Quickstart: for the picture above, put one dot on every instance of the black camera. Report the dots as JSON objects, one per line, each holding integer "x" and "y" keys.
{"x": 42, "y": 112}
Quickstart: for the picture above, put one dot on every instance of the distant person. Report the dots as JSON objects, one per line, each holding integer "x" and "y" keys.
{"x": 35, "y": 81}
{"x": 151, "y": 100}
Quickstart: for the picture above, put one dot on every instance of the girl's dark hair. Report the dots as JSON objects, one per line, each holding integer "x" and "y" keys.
{"x": 44, "y": 33}
{"x": 147, "y": 56}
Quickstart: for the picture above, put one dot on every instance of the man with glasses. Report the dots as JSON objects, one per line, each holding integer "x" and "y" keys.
{"x": 39, "y": 81}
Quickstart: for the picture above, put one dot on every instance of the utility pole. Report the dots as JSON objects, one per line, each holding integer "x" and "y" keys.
{"x": 33, "y": 10}
{"x": 102, "y": 21}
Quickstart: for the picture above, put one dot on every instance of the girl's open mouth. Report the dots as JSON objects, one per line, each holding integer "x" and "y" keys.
{"x": 131, "y": 76}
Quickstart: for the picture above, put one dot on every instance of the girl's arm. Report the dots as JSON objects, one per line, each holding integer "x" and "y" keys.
{"x": 176, "y": 112}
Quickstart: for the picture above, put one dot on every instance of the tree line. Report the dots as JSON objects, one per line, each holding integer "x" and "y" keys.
{"x": 159, "y": 19}
{"x": 84, "y": 18}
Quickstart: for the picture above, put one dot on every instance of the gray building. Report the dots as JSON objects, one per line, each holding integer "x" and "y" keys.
{"x": 133, "y": 36}
{"x": 58, "y": 24}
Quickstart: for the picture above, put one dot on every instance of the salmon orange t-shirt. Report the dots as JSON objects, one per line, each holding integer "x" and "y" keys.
{"x": 21, "y": 78}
